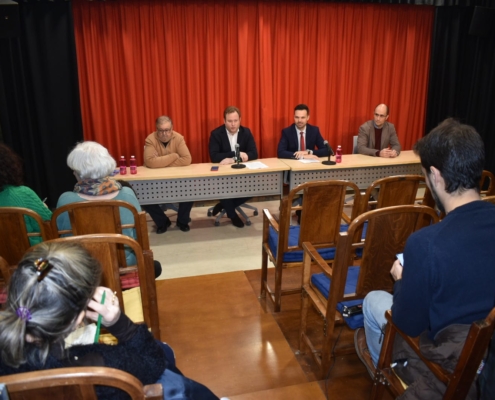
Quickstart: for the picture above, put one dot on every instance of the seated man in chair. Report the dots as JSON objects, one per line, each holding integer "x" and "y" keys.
{"x": 222, "y": 150}
{"x": 448, "y": 272}
{"x": 167, "y": 148}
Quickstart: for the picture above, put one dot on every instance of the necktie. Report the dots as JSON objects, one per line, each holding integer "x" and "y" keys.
{"x": 303, "y": 145}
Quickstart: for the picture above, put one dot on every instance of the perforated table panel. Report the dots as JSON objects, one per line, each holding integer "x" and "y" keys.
{"x": 208, "y": 188}
{"x": 362, "y": 177}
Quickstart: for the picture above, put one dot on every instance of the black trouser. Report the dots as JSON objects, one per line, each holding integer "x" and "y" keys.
{"x": 160, "y": 219}
{"x": 230, "y": 205}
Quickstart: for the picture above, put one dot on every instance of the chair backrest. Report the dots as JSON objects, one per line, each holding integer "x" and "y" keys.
{"x": 354, "y": 144}
{"x": 386, "y": 234}
{"x": 490, "y": 199}
{"x": 394, "y": 191}
{"x": 76, "y": 383}
{"x": 102, "y": 216}
{"x": 323, "y": 205}
{"x": 104, "y": 247}
{"x": 472, "y": 354}
{"x": 14, "y": 237}
{"x": 487, "y": 183}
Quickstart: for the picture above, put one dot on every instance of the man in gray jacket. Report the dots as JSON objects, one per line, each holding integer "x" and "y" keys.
{"x": 377, "y": 137}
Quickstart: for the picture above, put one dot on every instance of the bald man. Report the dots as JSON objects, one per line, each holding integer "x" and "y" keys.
{"x": 377, "y": 137}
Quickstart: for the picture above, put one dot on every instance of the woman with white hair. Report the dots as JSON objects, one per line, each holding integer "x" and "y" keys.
{"x": 93, "y": 167}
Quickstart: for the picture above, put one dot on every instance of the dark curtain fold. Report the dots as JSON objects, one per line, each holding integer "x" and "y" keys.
{"x": 462, "y": 76}
{"x": 40, "y": 114}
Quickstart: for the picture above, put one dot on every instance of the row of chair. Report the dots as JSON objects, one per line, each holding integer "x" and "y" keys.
{"x": 341, "y": 264}
{"x": 97, "y": 226}
{"x": 320, "y": 222}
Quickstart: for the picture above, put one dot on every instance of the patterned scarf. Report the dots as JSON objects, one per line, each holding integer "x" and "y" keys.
{"x": 97, "y": 187}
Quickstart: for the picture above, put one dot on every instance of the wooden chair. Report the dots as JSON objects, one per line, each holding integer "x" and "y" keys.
{"x": 487, "y": 183}
{"x": 76, "y": 383}
{"x": 386, "y": 235}
{"x": 14, "y": 237}
{"x": 457, "y": 382}
{"x": 490, "y": 199}
{"x": 91, "y": 217}
{"x": 393, "y": 191}
{"x": 320, "y": 224}
{"x": 104, "y": 247}
{"x": 5, "y": 274}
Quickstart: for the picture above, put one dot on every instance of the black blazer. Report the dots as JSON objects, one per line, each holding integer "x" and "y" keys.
{"x": 219, "y": 145}
{"x": 289, "y": 143}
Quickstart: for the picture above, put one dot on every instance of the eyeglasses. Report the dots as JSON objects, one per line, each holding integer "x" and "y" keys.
{"x": 164, "y": 131}
{"x": 380, "y": 115}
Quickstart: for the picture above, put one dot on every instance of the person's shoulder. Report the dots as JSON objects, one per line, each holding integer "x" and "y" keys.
{"x": 389, "y": 125}
{"x": 67, "y": 198}
{"x": 367, "y": 124}
{"x": 313, "y": 128}
{"x": 127, "y": 192}
{"x": 289, "y": 128}
{"x": 218, "y": 130}
{"x": 151, "y": 137}
{"x": 244, "y": 129}
{"x": 178, "y": 135}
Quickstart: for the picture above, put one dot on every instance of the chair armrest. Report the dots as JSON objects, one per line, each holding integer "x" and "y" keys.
{"x": 317, "y": 258}
{"x": 413, "y": 343}
{"x": 153, "y": 392}
{"x": 346, "y": 218}
{"x": 268, "y": 218}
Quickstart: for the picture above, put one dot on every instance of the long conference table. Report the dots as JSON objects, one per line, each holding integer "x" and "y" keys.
{"x": 197, "y": 182}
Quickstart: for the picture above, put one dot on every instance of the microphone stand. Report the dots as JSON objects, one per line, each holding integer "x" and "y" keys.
{"x": 328, "y": 162}
{"x": 237, "y": 165}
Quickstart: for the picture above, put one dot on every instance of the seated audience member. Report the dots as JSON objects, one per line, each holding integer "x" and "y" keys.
{"x": 222, "y": 150}
{"x": 93, "y": 167}
{"x": 167, "y": 148}
{"x": 377, "y": 137}
{"x": 14, "y": 194}
{"x": 301, "y": 140}
{"x": 52, "y": 290}
{"x": 448, "y": 272}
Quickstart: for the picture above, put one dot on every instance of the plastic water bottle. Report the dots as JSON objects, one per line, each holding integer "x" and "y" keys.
{"x": 338, "y": 156}
{"x": 133, "y": 165}
{"x": 123, "y": 167}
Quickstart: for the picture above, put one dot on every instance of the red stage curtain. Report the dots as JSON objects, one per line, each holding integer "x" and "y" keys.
{"x": 140, "y": 59}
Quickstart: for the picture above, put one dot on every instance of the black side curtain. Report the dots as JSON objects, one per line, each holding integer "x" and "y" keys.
{"x": 462, "y": 76}
{"x": 40, "y": 114}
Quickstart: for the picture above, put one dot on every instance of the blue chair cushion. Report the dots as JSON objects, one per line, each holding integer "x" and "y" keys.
{"x": 327, "y": 253}
{"x": 322, "y": 283}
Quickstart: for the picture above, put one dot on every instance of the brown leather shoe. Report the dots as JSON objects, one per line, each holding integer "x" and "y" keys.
{"x": 363, "y": 352}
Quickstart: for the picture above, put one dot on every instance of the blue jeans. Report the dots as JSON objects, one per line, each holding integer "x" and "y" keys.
{"x": 176, "y": 386}
{"x": 374, "y": 306}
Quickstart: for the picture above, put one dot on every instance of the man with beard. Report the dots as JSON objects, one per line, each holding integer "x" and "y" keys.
{"x": 448, "y": 272}
{"x": 301, "y": 140}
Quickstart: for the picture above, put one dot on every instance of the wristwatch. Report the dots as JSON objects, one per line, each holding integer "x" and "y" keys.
{"x": 310, "y": 151}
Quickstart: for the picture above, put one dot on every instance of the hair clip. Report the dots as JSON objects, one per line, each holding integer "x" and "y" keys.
{"x": 42, "y": 268}
{"x": 23, "y": 313}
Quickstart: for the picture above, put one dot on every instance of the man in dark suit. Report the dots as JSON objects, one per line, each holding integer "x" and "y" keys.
{"x": 301, "y": 140}
{"x": 222, "y": 150}
{"x": 377, "y": 137}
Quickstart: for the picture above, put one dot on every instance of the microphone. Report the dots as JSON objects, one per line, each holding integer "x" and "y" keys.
{"x": 237, "y": 152}
{"x": 329, "y": 148}
{"x": 237, "y": 158}
{"x": 330, "y": 153}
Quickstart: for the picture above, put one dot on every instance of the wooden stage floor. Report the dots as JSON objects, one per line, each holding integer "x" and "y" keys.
{"x": 225, "y": 338}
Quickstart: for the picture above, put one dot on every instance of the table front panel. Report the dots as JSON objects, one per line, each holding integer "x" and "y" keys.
{"x": 362, "y": 177}
{"x": 207, "y": 188}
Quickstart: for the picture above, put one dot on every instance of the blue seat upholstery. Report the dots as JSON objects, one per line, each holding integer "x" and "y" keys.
{"x": 327, "y": 253}
{"x": 322, "y": 283}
